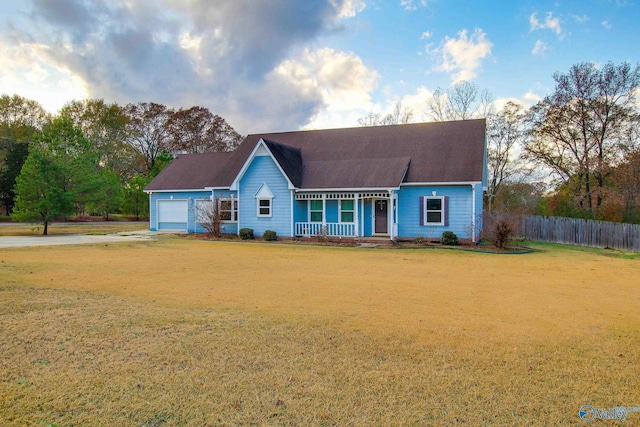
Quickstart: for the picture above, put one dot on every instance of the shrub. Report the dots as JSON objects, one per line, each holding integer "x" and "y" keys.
{"x": 270, "y": 236}
{"x": 499, "y": 228}
{"x": 449, "y": 238}
{"x": 246, "y": 233}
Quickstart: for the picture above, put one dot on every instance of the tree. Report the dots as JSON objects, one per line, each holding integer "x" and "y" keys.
{"x": 197, "y": 130}
{"x": 397, "y": 116}
{"x": 57, "y": 175}
{"x": 505, "y": 134}
{"x": 463, "y": 101}
{"x": 15, "y": 158}
{"x": 19, "y": 119}
{"x": 209, "y": 215}
{"x": 20, "y": 111}
{"x": 105, "y": 126}
{"x": 581, "y": 129}
{"x": 147, "y": 132}
{"x": 135, "y": 200}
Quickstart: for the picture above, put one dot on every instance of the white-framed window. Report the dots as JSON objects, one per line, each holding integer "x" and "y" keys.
{"x": 264, "y": 201}
{"x": 264, "y": 207}
{"x": 346, "y": 210}
{"x": 228, "y": 209}
{"x": 434, "y": 210}
{"x": 315, "y": 210}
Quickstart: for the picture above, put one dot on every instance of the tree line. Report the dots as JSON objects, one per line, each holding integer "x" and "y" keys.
{"x": 93, "y": 157}
{"x": 575, "y": 153}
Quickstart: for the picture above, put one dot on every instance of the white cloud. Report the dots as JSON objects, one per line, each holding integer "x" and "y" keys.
{"x": 349, "y": 8}
{"x": 462, "y": 55}
{"x": 340, "y": 79}
{"x": 539, "y": 48}
{"x": 411, "y": 4}
{"x": 606, "y": 24}
{"x": 550, "y": 23}
{"x": 426, "y": 35}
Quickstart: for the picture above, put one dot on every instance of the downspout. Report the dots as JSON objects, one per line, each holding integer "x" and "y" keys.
{"x": 473, "y": 213}
{"x": 293, "y": 219}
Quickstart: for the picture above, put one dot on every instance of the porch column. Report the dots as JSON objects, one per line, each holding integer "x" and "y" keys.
{"x": 324, "y": 210}
{"x": 356, "y": 214}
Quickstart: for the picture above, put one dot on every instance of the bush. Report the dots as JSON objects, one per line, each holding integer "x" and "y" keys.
{"x": 270, "y": 236}
{"x": 246, "y": 233}
{"x": 500, "y": 228}
{"x": 449, "y": 238}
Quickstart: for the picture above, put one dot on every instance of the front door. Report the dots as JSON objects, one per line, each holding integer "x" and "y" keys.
{"x": 381, "y": 217}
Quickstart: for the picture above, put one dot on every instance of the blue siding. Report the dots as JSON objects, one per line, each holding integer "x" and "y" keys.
{"x": 367, "y": 217}
{"x": 189, "y": 196}
{"x": 301, "y": 211}
{"x": 331, "y": 215}
{"x": 459, "y": 211}
{"x": 264, "y": 170}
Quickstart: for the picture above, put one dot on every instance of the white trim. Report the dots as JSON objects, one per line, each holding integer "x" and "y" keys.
{"x": 171, "y": 200}
{"x": 340, "y": 190}
{"x": 177, "y": 191}
{"x": 321, "y": 210}
{"x": 353, "y": 212}
{"x": 442, "y": 211}
{"x": 253, "y": 155}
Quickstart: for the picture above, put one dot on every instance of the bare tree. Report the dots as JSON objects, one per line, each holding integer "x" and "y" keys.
{"x": 463, "y": 101}
{"x": 210, "y": 216}
{"x": 505, "y": 134}
{"x": 580, "y": 130}
{"x": 397, "y": 116}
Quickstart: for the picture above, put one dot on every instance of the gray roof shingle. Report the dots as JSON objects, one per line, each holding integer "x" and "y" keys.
{"x": 362, "y": 157}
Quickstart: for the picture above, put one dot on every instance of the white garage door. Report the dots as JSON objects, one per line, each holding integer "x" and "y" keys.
{"x": 172, "y": 215}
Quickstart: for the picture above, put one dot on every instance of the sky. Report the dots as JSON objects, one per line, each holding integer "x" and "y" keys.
{"x": 281, "y": 65}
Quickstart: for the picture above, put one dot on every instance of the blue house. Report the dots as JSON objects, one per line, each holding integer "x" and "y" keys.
{"x": 402, "y": 181}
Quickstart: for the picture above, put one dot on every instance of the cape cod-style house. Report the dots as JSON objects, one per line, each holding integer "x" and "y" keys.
{"x": 401, "y": 181}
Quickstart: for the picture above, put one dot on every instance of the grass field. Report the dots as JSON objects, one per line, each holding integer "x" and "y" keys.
{"x": 185, "y": 332}
{"x": 10, "y": 229}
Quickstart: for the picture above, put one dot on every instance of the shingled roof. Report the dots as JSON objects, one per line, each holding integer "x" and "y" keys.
{"x": 190, "y": 172}
{"x": 362, "y": 157}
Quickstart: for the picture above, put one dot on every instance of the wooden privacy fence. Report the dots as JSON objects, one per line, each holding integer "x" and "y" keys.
{"x": 583, "y": 232}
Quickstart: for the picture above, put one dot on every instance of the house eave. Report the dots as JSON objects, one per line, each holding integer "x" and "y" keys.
{"x": 176, "y": 190}
{"x": 448, "y": 184}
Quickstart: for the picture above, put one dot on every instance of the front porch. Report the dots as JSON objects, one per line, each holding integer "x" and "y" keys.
{"x": 346, "y": 214}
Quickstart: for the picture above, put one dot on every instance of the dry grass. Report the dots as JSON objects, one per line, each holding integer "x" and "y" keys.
{"x": 9, "y": 229}
{"x": 219, "y": 333}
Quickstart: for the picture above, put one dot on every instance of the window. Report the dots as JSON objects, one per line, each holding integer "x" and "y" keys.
{"x": 264, "y": 207}
{"x": 346, "y": 211}
{"x": 434, "y": 210}
{"x": 229, "y": 210}
{"x": 315, "y": 210}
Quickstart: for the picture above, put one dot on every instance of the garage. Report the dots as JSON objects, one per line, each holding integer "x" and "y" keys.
{"x": 173, "y": 215}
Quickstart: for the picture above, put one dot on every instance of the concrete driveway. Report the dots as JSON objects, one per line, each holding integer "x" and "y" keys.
{"x": 74, "y": 239}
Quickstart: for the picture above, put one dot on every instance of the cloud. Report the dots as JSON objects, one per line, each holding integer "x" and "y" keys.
{"x": 426, "y": 35}
{"x": 226, "y": 55}
{"x": 462, "y": 55}
{"x": 539, "y": 48}
{"x": 349, "y": 8}
{"x": 340, "y": 80}
{"x": 411, "y": 4}
{"x": 606, "y": 24}
{"x": 550, "y": 23}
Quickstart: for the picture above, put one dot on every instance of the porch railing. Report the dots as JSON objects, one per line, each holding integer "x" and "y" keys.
{"x": 335, "y": 229}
